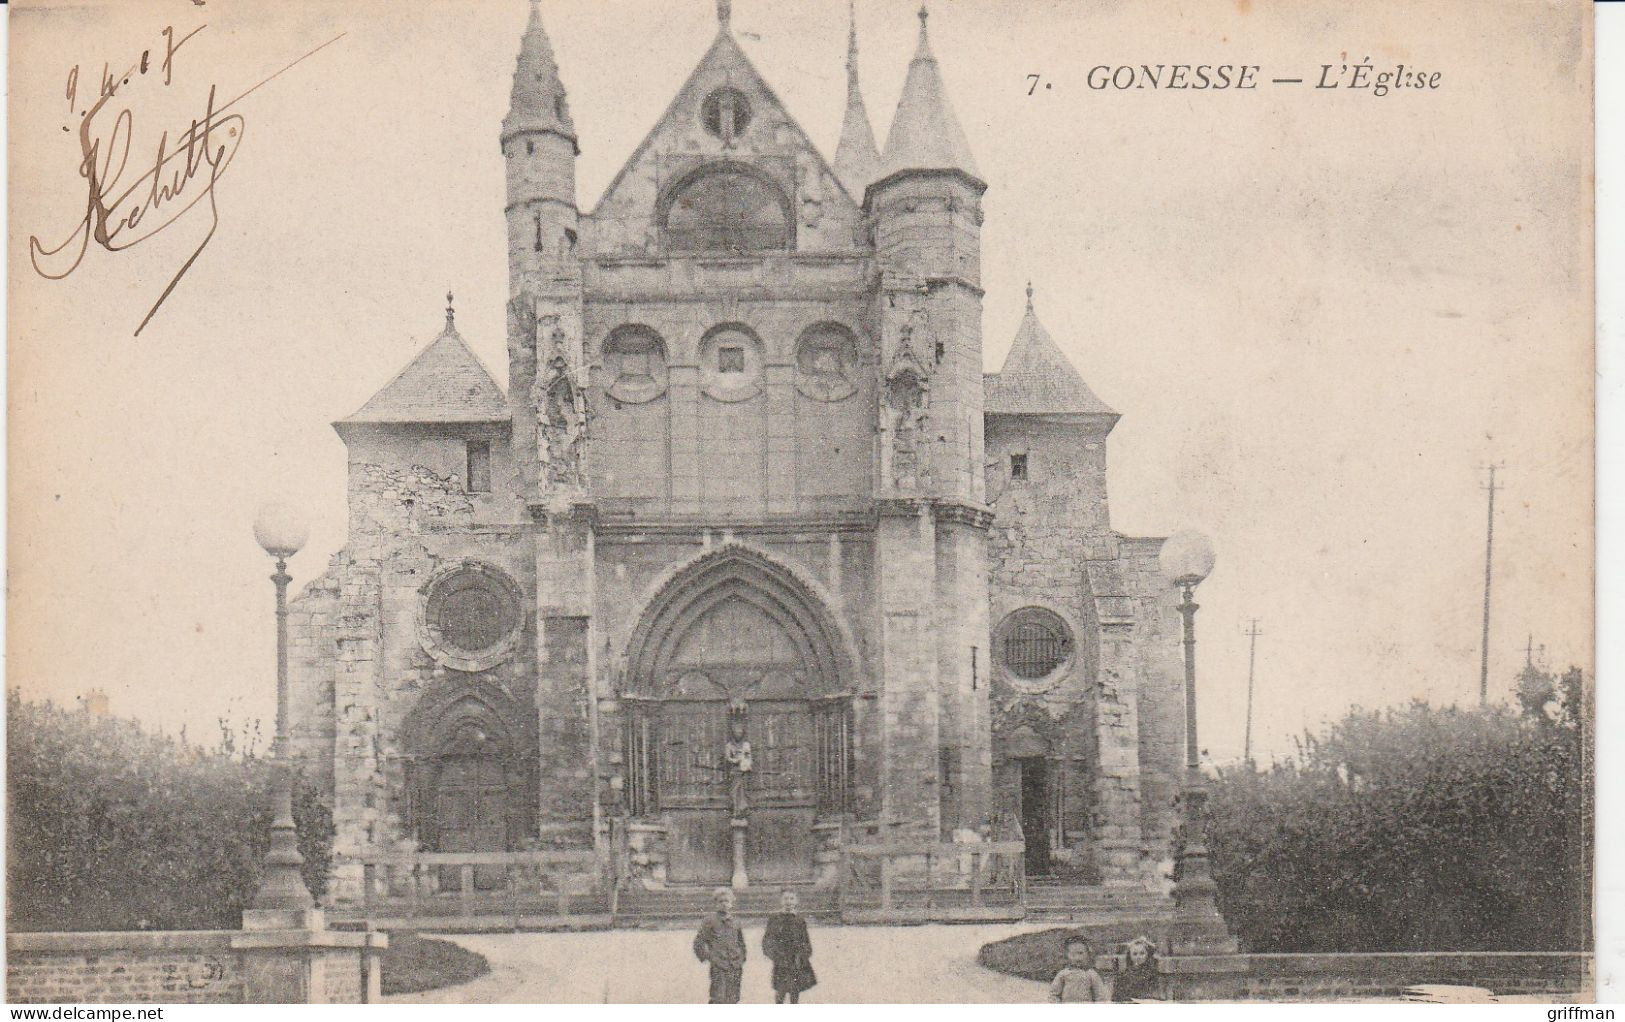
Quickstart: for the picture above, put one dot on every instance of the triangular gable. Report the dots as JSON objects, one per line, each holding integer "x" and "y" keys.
{"x": 625, "y": 216}
{"x": 446, "y": 382}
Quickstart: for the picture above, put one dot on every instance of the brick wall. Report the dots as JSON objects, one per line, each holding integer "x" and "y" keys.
{"x": 1331, "y": 977}
{"x": 182, "y": 968}
{"x": 191, "y": 967}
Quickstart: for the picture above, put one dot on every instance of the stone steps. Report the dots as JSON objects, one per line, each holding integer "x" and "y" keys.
{"x": 1094, "y": 904}
{"x": 640, "y": 906}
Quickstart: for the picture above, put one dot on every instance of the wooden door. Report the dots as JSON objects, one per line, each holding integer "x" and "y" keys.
{"x": 471, "y": 813}
{"x": 692, "y": 789}
{"x": 783, "y": 792}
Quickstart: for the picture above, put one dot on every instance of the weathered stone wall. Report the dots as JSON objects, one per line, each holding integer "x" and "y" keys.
{"x": 1158, "y": 662}
{"x": 312, "y": 641}
{"x": 966, "y": 758}
{"x": 927, "y": 236}
{"x": 1046, "y": 529}
{"x": 909, "y": 705}
{"x": 360, "y": 667}
{"x": 1117, "y": 712}
{"x": 771, "y": 446}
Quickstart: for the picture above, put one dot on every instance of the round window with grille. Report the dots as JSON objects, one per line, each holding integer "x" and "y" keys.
{"x": 470, "y": 616}
{"x": 1033, "y": 644}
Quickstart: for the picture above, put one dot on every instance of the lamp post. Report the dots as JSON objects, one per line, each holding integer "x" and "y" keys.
{"x": 1198, "y": 928}
{"x": 282, "y": 892}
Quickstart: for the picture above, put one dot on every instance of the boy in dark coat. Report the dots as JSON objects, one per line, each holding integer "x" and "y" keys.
{"x": 786, "y": 943}
{"x": 721, "y": 945}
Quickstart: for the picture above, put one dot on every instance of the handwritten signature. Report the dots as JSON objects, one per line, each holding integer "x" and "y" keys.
{"x": 175, "y": 175}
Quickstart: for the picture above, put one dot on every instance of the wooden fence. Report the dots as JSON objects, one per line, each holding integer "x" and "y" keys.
{"x": 483, "y": 890}
{"x": 921, "y": 881}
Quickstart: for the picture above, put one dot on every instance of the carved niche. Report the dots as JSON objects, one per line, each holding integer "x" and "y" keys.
{"x": 561, "y": 408}
{"x": 905, "y": 402}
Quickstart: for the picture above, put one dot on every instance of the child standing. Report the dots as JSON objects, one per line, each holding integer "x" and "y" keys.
{"x": 1078, "y": 982}
{"x": 786, "y": 943}
{"x": 1138, "y": 980}
{"x": 721, "y": 945}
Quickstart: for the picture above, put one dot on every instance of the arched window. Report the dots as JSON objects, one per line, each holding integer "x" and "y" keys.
{"x": 726, "y": 209}
{"x": 634, "y": 362}
{"x": 827, "y": 362}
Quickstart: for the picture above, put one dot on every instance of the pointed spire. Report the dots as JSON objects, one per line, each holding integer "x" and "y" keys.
{"x": 1038, "y": 378}
{"x": 451, "y": 315}
{"x": 538, "y": 102}
{"x": 725, "y": 13}
{"x": 925, "y": 134}
{"x": 857, "y": 159}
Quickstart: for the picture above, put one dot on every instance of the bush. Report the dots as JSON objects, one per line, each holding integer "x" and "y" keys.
{"x": 412, "y": 964}
{"x": 1413, "y": 829}
{"x": 111, "y": 828}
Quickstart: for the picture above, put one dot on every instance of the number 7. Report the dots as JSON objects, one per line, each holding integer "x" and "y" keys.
{"x": 1034, "y": 84}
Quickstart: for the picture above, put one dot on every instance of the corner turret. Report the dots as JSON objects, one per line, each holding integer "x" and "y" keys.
{"x": 925, "y": 210}
{"x": 539, "y": 145}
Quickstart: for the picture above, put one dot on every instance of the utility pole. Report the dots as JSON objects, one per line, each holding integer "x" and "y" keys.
{"x": 1253, "y": 632}
{"x": 1489, "y": 560}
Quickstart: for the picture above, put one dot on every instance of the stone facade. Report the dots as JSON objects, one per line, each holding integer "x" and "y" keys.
{"x": 750, "y": 558}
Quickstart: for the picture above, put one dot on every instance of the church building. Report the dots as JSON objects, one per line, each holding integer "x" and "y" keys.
{"x": 751, "y": 562}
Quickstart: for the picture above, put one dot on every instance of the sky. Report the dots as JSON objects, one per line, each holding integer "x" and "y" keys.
{"x": 1321, "y": 313}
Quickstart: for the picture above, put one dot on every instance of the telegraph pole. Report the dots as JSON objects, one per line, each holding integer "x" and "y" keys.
{"x": 1489, "y": 560}
{"x": 1253, "y": 632}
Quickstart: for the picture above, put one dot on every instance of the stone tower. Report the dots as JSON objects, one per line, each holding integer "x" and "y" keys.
{"x": 544, "y": 277}
{"x": 924, "y": 208}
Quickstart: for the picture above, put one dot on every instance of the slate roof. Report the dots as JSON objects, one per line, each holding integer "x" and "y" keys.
{"x": 925, "y": 134}
{"x": 1038, "y": 378}
{"x": 447, "y": 382}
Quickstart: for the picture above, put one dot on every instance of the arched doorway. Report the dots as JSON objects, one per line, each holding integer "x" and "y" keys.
{"x": 471, "y": 774}
{"x": 738, "y": 724}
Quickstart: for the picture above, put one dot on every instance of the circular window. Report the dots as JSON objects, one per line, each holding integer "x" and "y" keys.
{"x": 827, "y": 363}
{"x": 471, "y": 616}
{"x": 725, "y": 113}
{"x": 1033, "y": 644}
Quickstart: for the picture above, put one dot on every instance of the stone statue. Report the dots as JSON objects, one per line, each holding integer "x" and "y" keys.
{"x": 561, "y": 413}
{"x": 905, "y": 398}
{"x": 736, "y": 754}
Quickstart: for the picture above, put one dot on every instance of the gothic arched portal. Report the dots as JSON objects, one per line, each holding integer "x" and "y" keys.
{"x": 738, "y": 695}
{"x": 471, "y": 772}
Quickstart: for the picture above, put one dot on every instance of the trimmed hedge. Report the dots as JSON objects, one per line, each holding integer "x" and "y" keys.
{"x": 1412, "y": 829}
{"x": 112, "y": 828}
